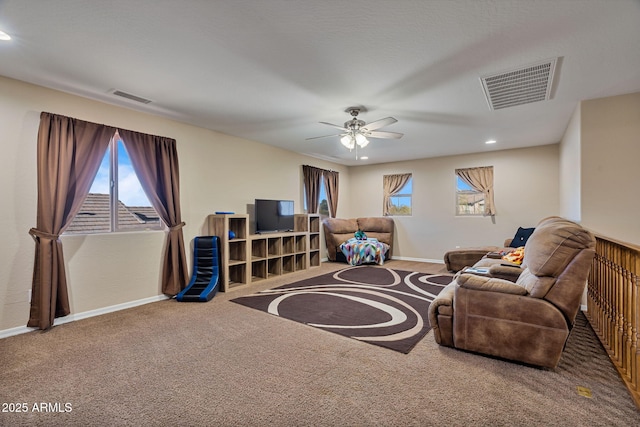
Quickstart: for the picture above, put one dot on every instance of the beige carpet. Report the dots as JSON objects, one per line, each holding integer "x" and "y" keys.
{"x": 218, "y": 363}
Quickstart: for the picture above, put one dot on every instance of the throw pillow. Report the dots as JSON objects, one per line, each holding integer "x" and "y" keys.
{"x": 521, "y": 237}
{"x": 516, "y": 256}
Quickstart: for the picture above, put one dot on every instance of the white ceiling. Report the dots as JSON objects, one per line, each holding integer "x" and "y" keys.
{"x": 271, "y": 70}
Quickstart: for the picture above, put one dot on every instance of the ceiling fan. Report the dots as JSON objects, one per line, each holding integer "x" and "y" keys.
{"x": 355, "y": 132}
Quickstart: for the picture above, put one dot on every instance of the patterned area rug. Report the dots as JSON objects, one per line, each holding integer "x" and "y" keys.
{"x": 372, "y": 304}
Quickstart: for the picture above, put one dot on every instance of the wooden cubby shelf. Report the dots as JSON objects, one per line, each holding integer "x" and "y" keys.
{"x": 248, "y": 258}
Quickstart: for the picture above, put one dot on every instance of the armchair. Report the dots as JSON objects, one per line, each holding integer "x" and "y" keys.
{"x": 529, "y": 320}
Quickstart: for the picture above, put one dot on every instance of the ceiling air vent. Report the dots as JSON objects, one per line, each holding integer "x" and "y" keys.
{"x": 519, "y": 86}
{"x": 131, "y": 97}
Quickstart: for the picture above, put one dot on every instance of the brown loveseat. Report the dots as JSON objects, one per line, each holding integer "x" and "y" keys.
{"x": 338, "y": 231}
{"x": 457, "y": 259}
{"x": 529, "y": 320}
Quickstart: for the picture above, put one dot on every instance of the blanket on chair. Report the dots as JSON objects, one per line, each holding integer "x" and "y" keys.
{"x": 369, "y": 251}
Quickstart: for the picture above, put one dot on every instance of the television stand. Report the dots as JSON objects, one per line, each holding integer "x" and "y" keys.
{"x": 249, "y": 258}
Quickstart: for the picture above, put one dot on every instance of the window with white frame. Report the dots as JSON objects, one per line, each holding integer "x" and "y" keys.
{"x": 400, "y": 201}
{"x": 116, "y": 201}
{"x": 473, "y": 186}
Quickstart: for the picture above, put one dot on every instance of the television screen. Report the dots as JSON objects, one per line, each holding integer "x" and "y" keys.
{"x": 274, "y": 215}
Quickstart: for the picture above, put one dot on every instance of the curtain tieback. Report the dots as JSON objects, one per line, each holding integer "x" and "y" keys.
{"x": 34, "y": 232}
{"x": 177, "y": 226}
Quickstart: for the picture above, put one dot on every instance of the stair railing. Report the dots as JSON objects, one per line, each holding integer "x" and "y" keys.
{"x": 613, "y": 306}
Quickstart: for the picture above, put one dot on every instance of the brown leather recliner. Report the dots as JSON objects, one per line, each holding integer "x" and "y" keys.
{"x": 529, "y": 320}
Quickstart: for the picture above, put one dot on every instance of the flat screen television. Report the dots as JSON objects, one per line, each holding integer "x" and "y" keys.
{"x": 274, "y": 215}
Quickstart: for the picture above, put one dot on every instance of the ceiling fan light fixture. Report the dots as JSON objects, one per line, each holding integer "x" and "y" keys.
{"x": 362, "y": 140}
{"x": 348, "y": 141}
{"x": 356, "y": 133}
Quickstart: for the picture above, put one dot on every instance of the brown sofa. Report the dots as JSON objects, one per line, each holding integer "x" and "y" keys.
{"x": 457, "y": 259}
{"x": 338, "y": 231}
{"x": 528, "y": 320}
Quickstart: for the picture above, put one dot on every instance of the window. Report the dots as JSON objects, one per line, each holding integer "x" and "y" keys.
{"x": 116, "y": 200}
{"x": 323, "y": 206}
{"x": 468, "y": 200}
{"x": 400, "y": 200}
{"x": 474, "y": 191}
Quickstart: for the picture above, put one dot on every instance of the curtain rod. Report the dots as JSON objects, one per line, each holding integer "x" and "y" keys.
{"x": 116, "y": 128}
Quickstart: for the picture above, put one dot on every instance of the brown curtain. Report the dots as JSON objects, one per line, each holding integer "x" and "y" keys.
{"x": 311, "y": 179}
{"x": 155, "y": 161}
{"x": 391, "y": 184}
{"x": 69, "y": 154}
{"x": 480, "y": 179}
{"x": 331, "y": 179}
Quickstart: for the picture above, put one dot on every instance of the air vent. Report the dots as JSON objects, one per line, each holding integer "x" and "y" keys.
{"x": 519, "y": 86}
{"x": 131, "y": 97}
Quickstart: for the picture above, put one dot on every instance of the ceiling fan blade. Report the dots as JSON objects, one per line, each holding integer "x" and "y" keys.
{"x": 378, "y": 124}
{"x": 335, "y": 126}
{"x": 385, "y": 135}
{"x": 324, "y": 136}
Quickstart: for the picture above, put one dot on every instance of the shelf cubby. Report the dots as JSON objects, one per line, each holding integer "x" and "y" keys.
{"x": 314, "y": 242}
{"x": 301, "y": 243}
{"x": 258, "y": 248}
{"x": 274, "y": 267}
{"x": 314, "y": 224}
{"x": 288, "y": 264}
{"x": 288, "y": 245}
{"x": 237, "y": 275}
{"x": 237, "y": 250}
{"x": 301, "y": 223}
{"x": 314, "y": 258}
{"x": 301, "y": 262}
{"x": 274, "y": 246}
{"x": 258, "y": 270}
{"x": 239, "y": 227}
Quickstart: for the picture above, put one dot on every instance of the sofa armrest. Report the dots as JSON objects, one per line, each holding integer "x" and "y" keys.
{"x": 441, "y": 315}
{"x": 506, "y": 271}
{"x": 490, "y": 284}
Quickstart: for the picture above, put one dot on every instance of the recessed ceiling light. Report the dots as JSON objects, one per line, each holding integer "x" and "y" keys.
{"x": 491, "y": 141}
{"x": 4, "y": 36}
{"x": 364, "y": 158}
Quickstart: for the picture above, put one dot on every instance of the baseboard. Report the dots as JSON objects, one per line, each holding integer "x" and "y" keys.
{"x": 84, "y": 315}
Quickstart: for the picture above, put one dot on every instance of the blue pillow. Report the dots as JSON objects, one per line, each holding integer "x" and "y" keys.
{"x": 521, "y": 237}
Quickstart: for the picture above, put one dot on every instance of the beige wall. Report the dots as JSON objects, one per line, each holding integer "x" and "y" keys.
{"x": 526, "y": 190}
{"x": 610, "y": 135}
{"x": 217, "y": 172}
{"x": 570, "y": 164}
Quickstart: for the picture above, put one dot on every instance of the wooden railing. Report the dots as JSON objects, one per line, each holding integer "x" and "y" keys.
{"x": 613, "y": 306}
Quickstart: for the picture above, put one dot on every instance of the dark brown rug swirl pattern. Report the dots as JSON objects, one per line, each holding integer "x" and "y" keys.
{"x": 376, "y": 305}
